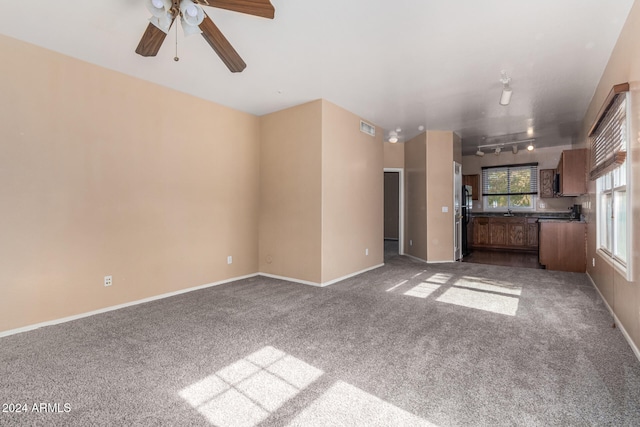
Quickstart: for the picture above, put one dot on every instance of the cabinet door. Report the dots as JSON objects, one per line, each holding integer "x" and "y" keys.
{"x": 532, "y": 233}
{"x": 573, "y": 172}
{"x": 515, "y": 233}
{"x": 498, "y": 233}
{"x": 474, "y": 182}
{"x": 546, "y": 182}
{"x": 481, "y": 231}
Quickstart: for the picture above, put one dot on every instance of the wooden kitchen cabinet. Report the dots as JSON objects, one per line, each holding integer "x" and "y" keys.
{"x": 572, "y": 172}
{"x": 532, "y": 233}
{"x": 563, "y": 245}
{"x": 480, "y": 231}
{"x": 497, "y": 232}
{"x": 474, "y": 182}
{"x": 516, "y": 233}
{"x": 547, "y": 177}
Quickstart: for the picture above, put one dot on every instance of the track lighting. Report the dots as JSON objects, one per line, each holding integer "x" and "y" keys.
{"x": 499, "y": 146}
{"x": 505, "y": 98}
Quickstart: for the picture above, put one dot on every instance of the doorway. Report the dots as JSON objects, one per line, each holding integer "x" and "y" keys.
{"x": 393, "y": 211}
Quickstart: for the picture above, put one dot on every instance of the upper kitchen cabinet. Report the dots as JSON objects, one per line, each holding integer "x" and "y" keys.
{"x": 572, "y": 172}
{"x": 474, "y": 182}
{"x": 547, "y": 177}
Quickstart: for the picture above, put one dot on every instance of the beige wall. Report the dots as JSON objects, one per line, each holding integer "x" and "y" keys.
{"x": 440, "y": 155}
{"x": 393, "y": 154}
{"x": 103, "y": 174}
{"x": 321, "y": 194}
{"x": 291, "y": 193}
{"x": 624, "y": 66}
{"x": 415, "y": 161}
{"x": 429, "y": 187}
{"x": 352, "y": 195}
{"x": 547, "y": 158}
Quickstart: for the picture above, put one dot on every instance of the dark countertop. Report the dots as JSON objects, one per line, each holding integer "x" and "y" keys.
{"x": 561, "y": 220}
{"x": 542, "y": 216}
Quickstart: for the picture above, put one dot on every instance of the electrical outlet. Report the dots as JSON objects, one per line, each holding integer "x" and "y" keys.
{"x": 366, "y": 252}
{"x": 410, "y": 242}
{"x": 229, "y": 259}
{"x": 108, "y": 280}
{"x": 593, "y": 262}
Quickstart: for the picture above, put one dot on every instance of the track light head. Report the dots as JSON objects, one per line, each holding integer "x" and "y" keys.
{"x": 505, "y": 98}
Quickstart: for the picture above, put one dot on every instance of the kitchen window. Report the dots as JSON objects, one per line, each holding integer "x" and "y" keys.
{"x": 510, "y": 187}
{"x": 609, "y": 168}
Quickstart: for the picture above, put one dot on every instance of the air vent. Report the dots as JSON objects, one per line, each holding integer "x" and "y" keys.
{"x": 367, "y": 128}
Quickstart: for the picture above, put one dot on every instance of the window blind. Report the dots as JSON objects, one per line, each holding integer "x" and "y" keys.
{"x": 510, "y": 180}
{"x": 608, "y": 136}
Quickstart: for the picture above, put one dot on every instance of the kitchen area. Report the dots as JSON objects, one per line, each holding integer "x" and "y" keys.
{"x": 552, "y": 235}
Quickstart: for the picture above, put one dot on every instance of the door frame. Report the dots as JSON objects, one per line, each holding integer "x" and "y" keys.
{"x": 400, "y": 207}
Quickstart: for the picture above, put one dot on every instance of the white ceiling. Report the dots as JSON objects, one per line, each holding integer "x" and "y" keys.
{"x": 401, "y": 63}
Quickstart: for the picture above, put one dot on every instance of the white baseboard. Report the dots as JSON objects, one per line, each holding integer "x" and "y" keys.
{"x": 348, "y": 276}
{"x": 171, "y": 294}
{"x": 321, "y": 285}
{"x": 416, "y": 258}
{"x": 290, "y": 279}
{"x": 427, "y": 262}
{"x": 119, "y": 306}
{"x": 619, "y": 325}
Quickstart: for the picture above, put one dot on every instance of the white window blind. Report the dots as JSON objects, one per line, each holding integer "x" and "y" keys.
{"x": 608, "y": 136}
{"x": 510, "y": 180}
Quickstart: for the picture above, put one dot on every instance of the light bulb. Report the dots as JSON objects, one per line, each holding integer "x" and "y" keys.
{"x": 530, "y": 147}
{"x": 157, "y": 4}
{"x": 192, "y": 11}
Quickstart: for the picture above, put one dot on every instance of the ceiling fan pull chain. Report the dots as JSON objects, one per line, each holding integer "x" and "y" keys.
{"x": 176, "y": 58}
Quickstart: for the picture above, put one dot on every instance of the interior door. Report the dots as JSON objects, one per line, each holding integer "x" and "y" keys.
{"x": 457, "y": 211}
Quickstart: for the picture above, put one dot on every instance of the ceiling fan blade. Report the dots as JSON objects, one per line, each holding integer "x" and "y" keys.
{"x": 221, "y": 45}
{"x": 262, "y": 8}
{"x": 151, "y": 41}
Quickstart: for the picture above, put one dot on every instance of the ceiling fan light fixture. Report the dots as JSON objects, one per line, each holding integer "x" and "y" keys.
{"x": 163, "y": 23}
{"x": 158, "y": 8}
{"x": 191, "y": 16}
{"x": 393, "y": 137}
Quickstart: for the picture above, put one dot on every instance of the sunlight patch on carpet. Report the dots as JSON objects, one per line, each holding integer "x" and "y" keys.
{"x": 244, "y": 393}
{"x": 490, "y": 285}
{"x": 481, "y": 300}
{"x": 423, "y": 290}
{"x": 347, "y": 405}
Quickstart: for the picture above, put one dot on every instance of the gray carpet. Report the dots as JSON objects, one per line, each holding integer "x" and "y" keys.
{"x": 407, "y": 344}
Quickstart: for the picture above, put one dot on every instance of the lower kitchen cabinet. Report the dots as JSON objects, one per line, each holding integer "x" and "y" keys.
{"x": 516, "y": 233}
{"x": 563, "y": 245}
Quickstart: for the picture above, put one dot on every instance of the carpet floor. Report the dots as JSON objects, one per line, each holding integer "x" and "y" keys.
{"x": 407, "y": 344}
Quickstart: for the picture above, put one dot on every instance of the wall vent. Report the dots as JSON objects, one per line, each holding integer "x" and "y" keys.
{"x": 367, "y": 128}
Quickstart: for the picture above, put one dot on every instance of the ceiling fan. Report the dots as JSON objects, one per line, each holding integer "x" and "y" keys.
{"x": 194, "y": 21}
